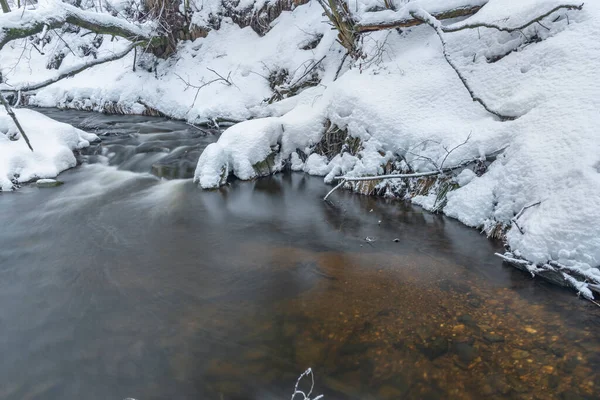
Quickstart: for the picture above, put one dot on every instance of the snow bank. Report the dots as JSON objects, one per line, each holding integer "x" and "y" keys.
{"x": 53, "y": 143}
{"x": 258, "y": 147}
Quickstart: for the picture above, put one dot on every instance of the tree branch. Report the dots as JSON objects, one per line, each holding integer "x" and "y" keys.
{"x": 441, "y": 171}
{"x": 11, "y": 113}
{"x": 408, "y": 22}
{"x": 460, "y": 27}
{"x": 15, "y": 26}
{"x": 438, "y": 27}
{"x": 74, "y": 70}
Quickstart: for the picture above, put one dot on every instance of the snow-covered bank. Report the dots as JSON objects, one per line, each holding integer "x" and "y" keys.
{"x": 53, "y": 143}
{"x": 401, "y": 108}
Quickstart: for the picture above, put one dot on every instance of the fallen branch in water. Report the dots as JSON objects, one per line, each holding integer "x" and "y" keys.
{"x": 584, "y": 283}
{"x": 440, "y": 171}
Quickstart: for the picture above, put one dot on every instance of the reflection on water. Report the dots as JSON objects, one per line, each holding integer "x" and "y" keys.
{"x": 118, "y": 284}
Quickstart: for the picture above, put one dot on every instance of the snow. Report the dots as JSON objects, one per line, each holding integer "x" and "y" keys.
{"x": 402, "y": 100}
{"x": 53, "y": 143}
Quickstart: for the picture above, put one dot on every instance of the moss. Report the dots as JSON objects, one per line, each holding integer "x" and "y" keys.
{"x": 267, "y": 166}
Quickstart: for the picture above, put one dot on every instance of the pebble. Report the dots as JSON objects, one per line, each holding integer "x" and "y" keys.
{"x": 519, "y": 354}
{"x": 493, "y": 337}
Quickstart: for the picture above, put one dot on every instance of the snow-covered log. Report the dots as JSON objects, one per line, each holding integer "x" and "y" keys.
{"x": 17, "y": 25}
{"x": 371, "y": 23}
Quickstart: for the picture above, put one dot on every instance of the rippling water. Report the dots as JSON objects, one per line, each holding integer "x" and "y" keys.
{"x": 119, "y": 284}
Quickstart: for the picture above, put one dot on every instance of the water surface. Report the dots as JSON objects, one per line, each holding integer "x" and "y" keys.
{"x": 119, "y": 284}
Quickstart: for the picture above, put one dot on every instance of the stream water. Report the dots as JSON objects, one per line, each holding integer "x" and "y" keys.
{"x": 118, "y": 284}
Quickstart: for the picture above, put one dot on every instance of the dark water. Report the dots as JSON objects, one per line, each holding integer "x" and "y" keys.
{"x": 118, "y": 284}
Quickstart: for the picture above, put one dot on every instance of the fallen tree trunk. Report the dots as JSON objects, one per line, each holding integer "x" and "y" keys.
{"x": 408, "y": 22}
{"x": 16, "y": 25}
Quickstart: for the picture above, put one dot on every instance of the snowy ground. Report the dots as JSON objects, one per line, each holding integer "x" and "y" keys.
{"x": 403, "y": 100}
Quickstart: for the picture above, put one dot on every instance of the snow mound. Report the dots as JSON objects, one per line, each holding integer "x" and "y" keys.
{"x": 53, "y": 143}
{"x": 258, "y": 147}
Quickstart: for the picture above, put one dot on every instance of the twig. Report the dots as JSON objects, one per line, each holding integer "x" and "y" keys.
{"x": 337, "y": 73}
{"x": 448, "y": 152}
{"x": 305, "y": 396}
{"x": 516, "y": 217}
{"x": 10, "y": 112}
{"x": 307, "y": 71}
{"x": 197, "y": 87}
{"x": 339, "y": 185}
{"x": 229, "y": 83}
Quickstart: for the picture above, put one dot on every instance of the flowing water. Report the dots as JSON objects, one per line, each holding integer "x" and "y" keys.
{"x": 119, "y": 284}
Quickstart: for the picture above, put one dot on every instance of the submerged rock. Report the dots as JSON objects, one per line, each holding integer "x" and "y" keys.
{"x": 48, "y": 183}
{"x": 465, "y": 352}
{"x": 493, "y": 337}
{"x": 179, "y": 164}
{"x": 434, "y": 348}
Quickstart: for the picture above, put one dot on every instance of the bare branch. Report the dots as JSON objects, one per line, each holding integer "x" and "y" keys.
{"x": 75, "y": 70}
{"x": 460, "y": 27}
{"x": 226, "y": 81}
{"x": 310, "y": 69}
{"x": 516, "y": 217}
{"x": 11, "y": 113}
{"x": 438, "y": 28}
{"x": 448, "y": 152}
{"x": 441, "y": 171}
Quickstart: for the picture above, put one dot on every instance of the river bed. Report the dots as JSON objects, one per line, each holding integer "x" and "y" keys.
{"x": 120, "y": 284}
